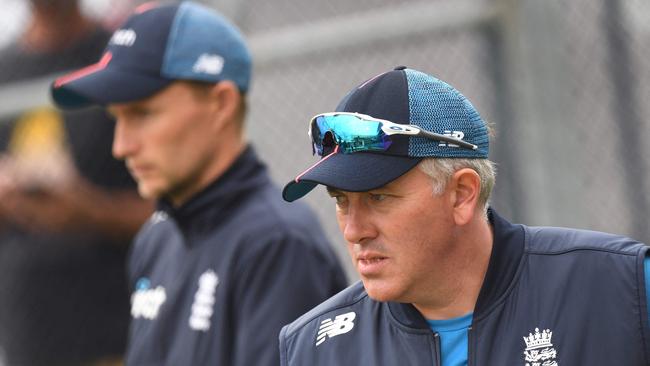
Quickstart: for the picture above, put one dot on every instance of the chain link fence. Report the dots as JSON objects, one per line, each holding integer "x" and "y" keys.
{"x": 566, "y": 85}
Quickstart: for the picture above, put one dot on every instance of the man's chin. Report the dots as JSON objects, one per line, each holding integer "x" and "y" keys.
{"x": 380, "y": 292}
{"x": 147, "y": 192}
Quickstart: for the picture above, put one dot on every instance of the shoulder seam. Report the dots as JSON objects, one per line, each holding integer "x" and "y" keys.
{"x": 583, "y": 248}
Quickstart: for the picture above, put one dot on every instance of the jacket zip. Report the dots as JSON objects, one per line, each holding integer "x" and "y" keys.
{"x": 469, "y": 346}
{"x": 436, "y": 341}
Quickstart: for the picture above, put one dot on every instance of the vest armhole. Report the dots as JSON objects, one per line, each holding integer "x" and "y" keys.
{"x": 643, "y": 300}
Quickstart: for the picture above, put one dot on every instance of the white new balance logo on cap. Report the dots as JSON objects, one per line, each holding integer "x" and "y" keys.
{"x": 123, "y": 37}
{"x": 340, "y": 325}
{"x": 208, "y": 64}
{"x": 455, "y": 134}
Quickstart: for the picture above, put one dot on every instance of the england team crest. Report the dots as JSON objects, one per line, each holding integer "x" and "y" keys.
{"x": 539, "y": 349}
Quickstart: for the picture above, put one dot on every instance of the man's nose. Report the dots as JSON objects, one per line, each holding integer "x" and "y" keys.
{"x": 358, "y": 226}
{"x": 124, "y": 142}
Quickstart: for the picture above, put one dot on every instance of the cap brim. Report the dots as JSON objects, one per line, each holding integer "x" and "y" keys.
{"x": 357, "y": 172}
{"x": 104, "y": 87}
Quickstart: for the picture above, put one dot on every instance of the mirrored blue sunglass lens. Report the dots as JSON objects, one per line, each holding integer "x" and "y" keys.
{"x": 350, "y": 133}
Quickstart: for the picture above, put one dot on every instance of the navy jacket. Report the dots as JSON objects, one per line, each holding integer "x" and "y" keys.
{"x": 215, "y": 280}
{"x": 550, "y": 297}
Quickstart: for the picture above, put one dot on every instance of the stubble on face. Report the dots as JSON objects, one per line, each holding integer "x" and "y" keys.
{"x": 407, "y": 237}
{"x": 168, "y": 145}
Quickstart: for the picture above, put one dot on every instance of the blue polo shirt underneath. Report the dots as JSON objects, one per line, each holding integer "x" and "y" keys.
{"x": 453, "y": 339}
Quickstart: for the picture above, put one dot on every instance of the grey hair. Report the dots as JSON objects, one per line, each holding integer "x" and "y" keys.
{"x": 441, "y": 169}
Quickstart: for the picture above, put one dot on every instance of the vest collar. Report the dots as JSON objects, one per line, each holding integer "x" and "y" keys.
{"x": 214, "y": 203}
{"x": 505, "y": 260}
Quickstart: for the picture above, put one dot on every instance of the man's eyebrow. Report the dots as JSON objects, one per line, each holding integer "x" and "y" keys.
{"x": 332, "y": 191}
{"x": 110, "y": 110}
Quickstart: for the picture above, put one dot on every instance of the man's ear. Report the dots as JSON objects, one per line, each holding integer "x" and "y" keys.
{"x": 466, "y": 187}
{"x": 226, "y": 99}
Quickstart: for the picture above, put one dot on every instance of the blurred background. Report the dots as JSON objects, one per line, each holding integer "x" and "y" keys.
{"x": 565, "y": 83}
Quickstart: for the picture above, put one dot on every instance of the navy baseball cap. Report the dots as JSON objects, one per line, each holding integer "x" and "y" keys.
{"x": 157, "y": 45}
{"x": 403, "y": 96}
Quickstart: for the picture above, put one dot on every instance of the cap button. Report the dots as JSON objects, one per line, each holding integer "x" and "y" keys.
{"x": 400, "y": 68}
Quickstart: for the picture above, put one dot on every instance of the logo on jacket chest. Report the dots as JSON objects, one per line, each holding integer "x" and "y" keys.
{"x": 331, "y": 328}
{"x": 146, "y": 301}
{"x": 539, "y": 349}
{"x": 204, "y": 299}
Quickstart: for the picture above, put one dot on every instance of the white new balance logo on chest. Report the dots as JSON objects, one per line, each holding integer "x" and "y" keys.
{"x": 331, "y": 328}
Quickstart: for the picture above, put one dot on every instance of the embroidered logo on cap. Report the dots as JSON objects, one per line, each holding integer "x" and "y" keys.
{"x": 123, "y": 37}
{"x": 208, "y": 64}
{"x": 454, "y": 134}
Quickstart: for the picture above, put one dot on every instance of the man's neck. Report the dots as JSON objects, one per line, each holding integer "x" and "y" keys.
{"x": 456, "y": 294}
{"x": 53, "y": 29}
{"x": 226, "y": 156}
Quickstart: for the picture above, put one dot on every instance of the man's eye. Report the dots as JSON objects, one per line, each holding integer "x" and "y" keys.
{"x": 143, "y": 112}
{"x": 339, "y": 199}
{"x": 377, "y": 197}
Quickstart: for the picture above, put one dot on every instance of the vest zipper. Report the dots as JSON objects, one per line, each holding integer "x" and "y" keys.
{"x": 436, "y": 342}
{"x": 469, "y": 347}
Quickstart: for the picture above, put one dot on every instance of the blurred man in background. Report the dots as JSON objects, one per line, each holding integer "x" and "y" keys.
{"x": 68, "y": 210}
{"x": 223, "y": 263}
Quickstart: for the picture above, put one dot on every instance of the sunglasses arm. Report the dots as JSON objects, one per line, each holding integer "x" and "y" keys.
{"x": 399, "y": 129}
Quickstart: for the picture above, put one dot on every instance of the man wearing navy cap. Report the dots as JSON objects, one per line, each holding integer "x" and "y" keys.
{"x": 444, "y": 279}
{"x": 224, "y": 262}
